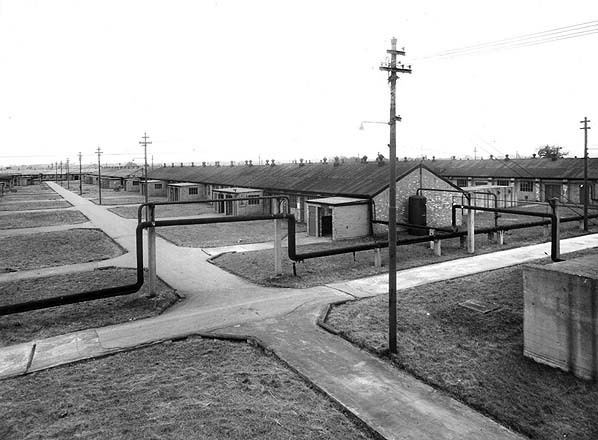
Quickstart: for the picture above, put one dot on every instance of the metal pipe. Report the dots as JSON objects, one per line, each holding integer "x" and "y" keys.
{"x": 85, "y": 296}
{"x": 200, "y": 202}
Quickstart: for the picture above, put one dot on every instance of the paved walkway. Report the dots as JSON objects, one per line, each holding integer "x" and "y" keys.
{"x": 391, "y": 402}
{"x": 41, "y": 229}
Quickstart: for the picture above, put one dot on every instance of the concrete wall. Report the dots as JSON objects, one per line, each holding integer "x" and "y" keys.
{"x": 350, "y": 221}
{"x": 438, "y": 204}
{"x": 155, "y": 188}
{"x": 561, "y": 314}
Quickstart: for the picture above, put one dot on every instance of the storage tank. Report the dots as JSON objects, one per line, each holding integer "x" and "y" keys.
{"x": 417, "y": 214}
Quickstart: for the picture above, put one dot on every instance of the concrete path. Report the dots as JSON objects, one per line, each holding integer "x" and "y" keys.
{"x": 26, "y": 211}
{"x": 41, "y": 229}
{"x": 378, "y": 285}
{"x": 391, "y": 402}
{"x": 388, "y": 400}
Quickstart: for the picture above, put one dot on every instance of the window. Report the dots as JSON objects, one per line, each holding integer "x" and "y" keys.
{"x": 526, "y": 186}
{"x": 480, "y": 183}
{"x": 157, "y": 186}
{"x": 502, "y": 182}
{"x": 193, "y": 191}
{"x": 253, "y": 202}
{"x": 135, "y": 182}
{"x": 461, "y": 183}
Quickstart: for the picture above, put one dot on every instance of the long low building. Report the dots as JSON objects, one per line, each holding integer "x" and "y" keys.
{"x": 532, "y": 179}
{"x": 307, "y": 182}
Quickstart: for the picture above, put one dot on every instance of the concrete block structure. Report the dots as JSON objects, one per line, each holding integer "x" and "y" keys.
{"x": 154, "y": 188}
{"x": 560, "y": 326}
{"x": 182, "y": 192}
{"x": 241, "y": 207}
{"x": 133, "y": 184}
{"x": 338, "y": 217}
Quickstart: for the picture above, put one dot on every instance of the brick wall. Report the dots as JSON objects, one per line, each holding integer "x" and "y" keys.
{"x": 438, "y": 204}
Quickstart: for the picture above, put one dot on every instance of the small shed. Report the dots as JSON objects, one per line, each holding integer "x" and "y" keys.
{"x": 133, "y": 184}
{"x": 154, "y": 187}
{"x": 185, "y": 191}
{"x": 242, "y": 207}
{"x": 338, "y": 217}
{"x": 111, "y": 182}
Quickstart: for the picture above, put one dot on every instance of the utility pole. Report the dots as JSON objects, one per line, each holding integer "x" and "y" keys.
{"x": 61, "y": 178}
{"x": 68, "y": 182}
{"x": 99, "y": 152}
{"x": 80, "y": 177}
{"x": 393, "y": 68}
{"x": 145, "y": 142}
{"x": 475, "y": 153}
{"x": 586, "y": 189}
{"x": 56, "y": 172}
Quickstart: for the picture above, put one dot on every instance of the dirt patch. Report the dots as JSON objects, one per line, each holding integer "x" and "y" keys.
{"x": 195, "y": 388}
{"x": 222, "y": 234}
{"x": 58, "y": 248}
{"x": 256, "y": 266}
{"x": 37, "y": 324}
{"x": 29, "y": 206}
{"x": 478, "y": 358}
{"x": 39, "y": 219}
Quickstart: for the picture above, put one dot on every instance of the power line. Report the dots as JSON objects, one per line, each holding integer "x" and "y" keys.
{"x": 533, "y": 39}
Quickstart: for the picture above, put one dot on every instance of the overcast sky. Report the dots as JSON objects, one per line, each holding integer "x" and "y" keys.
{"x": 237, "y": 79}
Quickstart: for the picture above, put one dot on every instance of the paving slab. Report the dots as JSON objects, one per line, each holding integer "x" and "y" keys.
{"x": 14, "y": 359}
{"x": 64, "y": 349}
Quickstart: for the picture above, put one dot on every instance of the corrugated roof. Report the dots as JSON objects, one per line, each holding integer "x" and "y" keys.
{"x": 119, "y": 172}
{"x": 349, "y": 179}
{"x": 537, "y": 168}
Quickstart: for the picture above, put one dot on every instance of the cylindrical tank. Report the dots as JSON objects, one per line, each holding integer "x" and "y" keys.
{"x": 417, "y": 214}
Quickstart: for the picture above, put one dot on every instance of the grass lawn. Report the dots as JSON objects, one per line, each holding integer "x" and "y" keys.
{"x": 37, "y": 324}
{"x": 58, "y": 248}
{"x": 222, "y": 234}
{"x": 256, "y": 266}
{"x": 110, "y": 196}
{"x": 169, "y": 211}
{"x": 478, "y": 358}
{"x": 38, "y": 219}
{"x": 195, "y": 388}
{"x": 26, "y": 206}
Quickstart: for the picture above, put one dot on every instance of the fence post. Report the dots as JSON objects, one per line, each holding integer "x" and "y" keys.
{"x": 377, "y": 258}
{"x": 470, "y": 231}
{"x": 555, "y": 248}
{"x": 437, "y": 248}
{"x": 151, "y": 252}
{"x": 277, "y": 242}
{"x": 501, "y": 237}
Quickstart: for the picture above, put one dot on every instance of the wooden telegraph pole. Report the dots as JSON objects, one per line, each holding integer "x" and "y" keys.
{"x": 145, "y": 142}
{"x": 99, "y": 152}
{"x": 80, "y": 177}
{"x": 586, "y": 188}
{"x": 393, "y": 68}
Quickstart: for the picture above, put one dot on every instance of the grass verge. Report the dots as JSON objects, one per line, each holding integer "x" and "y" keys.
{"x": 39, "y": 219}
{"x": 195, "y": 388}
{"x": 256, "y": 266}
{"x": 30, "y": 206}
{"x": 222, "y": 234}
{"x": 58, "y": 248}
{"x": 168, "y": 211}
{"x": 37, "y": 324}
{"x": 477, "y": 358}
